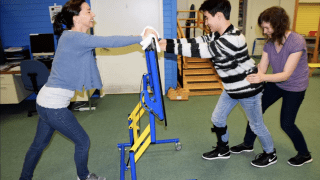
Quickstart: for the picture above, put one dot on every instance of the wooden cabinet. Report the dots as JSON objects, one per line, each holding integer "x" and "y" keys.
{"x": 13, "y": 92}
{"x": 12, "y": 89}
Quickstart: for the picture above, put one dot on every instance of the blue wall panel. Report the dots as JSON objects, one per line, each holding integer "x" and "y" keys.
{"x": 19, "y": 18}
{"x": 170, "y": 32}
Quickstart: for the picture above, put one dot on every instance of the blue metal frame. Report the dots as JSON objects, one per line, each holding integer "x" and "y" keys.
{"x": 153, "y": 104}
{"x": 254, "y": 45}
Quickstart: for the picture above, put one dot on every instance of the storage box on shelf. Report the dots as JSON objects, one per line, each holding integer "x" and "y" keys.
{"x": 17, "y": 53}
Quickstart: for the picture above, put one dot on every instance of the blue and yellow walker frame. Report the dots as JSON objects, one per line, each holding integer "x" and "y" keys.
{"x": 153, "y": 103}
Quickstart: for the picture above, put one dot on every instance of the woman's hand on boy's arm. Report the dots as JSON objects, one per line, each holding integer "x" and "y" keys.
{"x": 288, "y": 69}
{"x": 262, "y": 70}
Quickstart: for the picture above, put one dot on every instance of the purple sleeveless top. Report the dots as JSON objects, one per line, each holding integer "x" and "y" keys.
{"x": 299, "y": 79}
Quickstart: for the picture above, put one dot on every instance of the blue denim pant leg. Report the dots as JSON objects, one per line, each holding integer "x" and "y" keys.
{"x": 221, "y": 111}
{"x": 253, "y": 109}
{"x": 42, "y": 138}
{"x": 63, "y": 121}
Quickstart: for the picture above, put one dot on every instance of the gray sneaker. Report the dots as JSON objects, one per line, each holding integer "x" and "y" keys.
{"x": 92, "y": 176}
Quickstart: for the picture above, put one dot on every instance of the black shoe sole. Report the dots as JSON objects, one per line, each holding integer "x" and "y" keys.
{"x": 297, "y": 165}
{"x": 241, "y": 151}
{"x": 222, "y": 157}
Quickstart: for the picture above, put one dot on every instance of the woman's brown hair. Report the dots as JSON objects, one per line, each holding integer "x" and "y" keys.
{"x": 64, "y": 19}
{"x": 279, "y": 21}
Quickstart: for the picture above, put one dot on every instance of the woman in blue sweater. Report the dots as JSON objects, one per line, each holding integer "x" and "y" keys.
{"x": 73, "y": 67}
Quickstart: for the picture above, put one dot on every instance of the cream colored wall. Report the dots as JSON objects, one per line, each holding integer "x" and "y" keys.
{"x": 289, "y": 6}
{"x": 255, "y": 7}
{"x": 234, "y": 12}
{"x": 121, "y": 69}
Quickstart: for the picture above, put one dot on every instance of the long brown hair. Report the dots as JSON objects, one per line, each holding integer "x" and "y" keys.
{"x": 279, "y": 21}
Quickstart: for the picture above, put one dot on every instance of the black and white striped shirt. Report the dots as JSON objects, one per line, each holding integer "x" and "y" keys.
{"x": 230, "y": 57}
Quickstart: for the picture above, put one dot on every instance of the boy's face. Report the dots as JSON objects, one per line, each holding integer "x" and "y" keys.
{"x": 211, "y": 21}
{"x": 267, "y": 29}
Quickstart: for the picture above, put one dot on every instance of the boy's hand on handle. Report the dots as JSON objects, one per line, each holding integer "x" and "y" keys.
{"x": 163, "y": 41}
{"x": 163, "y": 44}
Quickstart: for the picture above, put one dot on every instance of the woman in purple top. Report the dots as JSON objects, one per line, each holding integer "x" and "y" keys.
{"x": 286, "y": 52}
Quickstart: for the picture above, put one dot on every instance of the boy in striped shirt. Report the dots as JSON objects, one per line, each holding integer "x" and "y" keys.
{"x": 227, "y": 48}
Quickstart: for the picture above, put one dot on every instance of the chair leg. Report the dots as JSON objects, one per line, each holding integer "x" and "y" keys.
{"x": 30, "y": 113}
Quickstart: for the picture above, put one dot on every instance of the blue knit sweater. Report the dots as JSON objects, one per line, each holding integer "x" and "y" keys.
{"x": 74, "y": 66}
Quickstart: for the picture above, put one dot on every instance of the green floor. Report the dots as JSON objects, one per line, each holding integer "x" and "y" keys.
{"x": 188, "y": 120}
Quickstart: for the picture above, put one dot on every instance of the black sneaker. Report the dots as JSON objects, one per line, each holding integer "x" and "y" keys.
{"x": 299, "y": 160}
{"x": 240, "y": 148}
{"x": 218, "y": 153}
{"x": 264, "y": 159}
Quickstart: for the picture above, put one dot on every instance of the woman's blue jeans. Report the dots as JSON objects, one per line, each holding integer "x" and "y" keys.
{"x": 63, "y": 121}
{"x": 253, "y": 110}
{"x": 291, "y": 102}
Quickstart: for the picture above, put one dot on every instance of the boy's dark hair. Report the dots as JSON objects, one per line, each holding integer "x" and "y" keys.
{"x": 279, "y": 21}
{"x": 64, "y": 19}
{"x": 214, "y": 6}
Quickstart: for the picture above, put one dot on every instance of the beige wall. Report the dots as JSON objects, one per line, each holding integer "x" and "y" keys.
{"x": 289, "y": 6}
{"x": 255, "y": 7}
{"x": 121, "y": 69}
